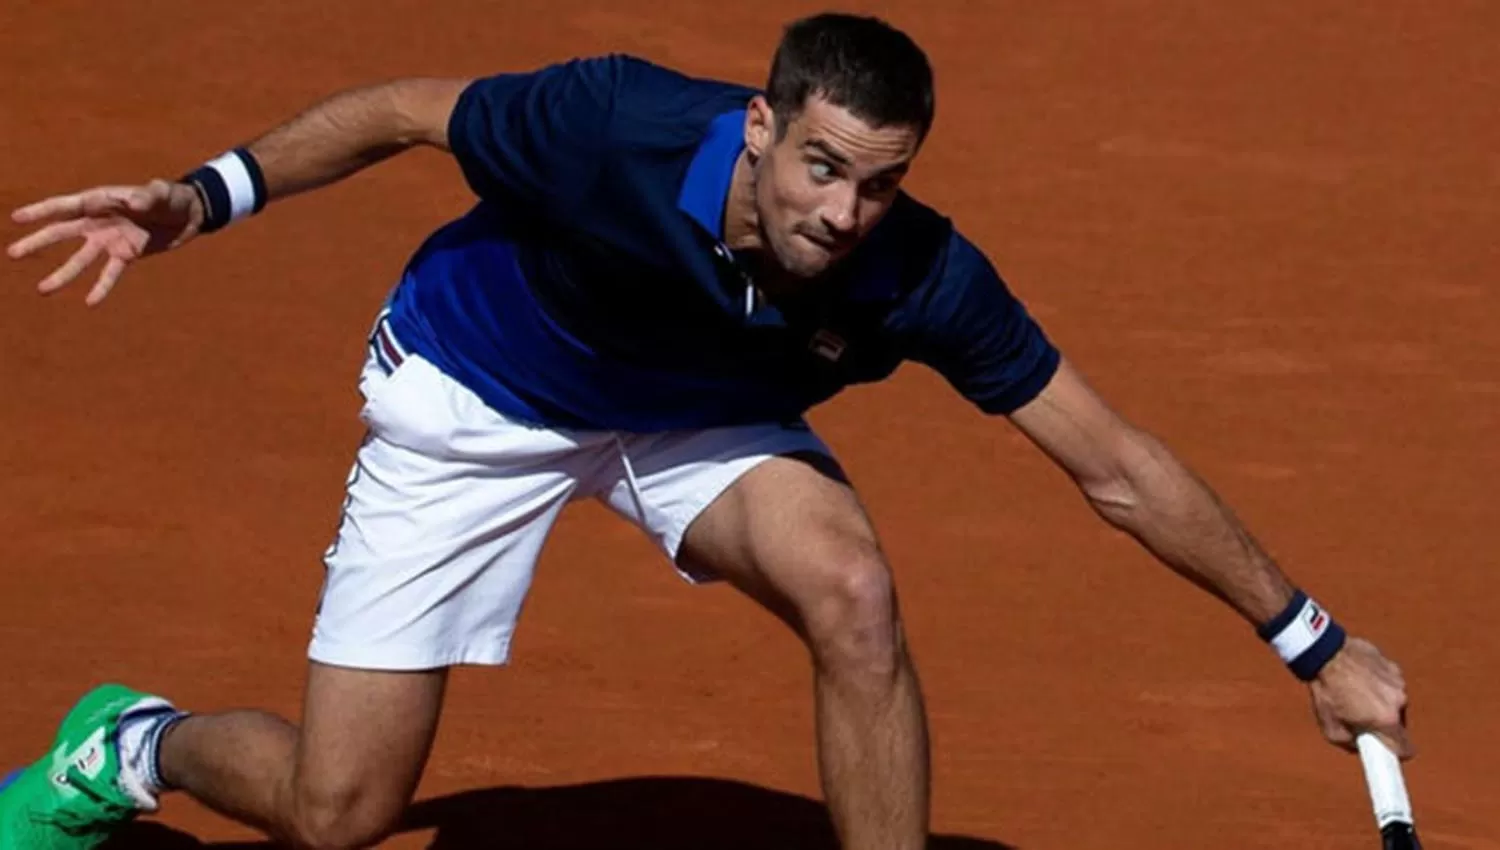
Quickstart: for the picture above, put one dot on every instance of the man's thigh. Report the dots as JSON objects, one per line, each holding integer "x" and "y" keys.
{"x": 734, "y": 503}
{"x": 448, "y": 506}
{"x": 792, "y": 534}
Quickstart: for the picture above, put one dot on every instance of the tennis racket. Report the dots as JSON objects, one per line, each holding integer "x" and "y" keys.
{"x": 1388, "y": 794}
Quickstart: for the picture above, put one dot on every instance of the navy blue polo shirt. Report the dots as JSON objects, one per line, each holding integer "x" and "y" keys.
{"x": 590, "y": 286}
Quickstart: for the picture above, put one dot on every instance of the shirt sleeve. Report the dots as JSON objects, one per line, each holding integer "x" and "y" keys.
{"x": 535, "y": 140}
{"x": 979, "y": 336}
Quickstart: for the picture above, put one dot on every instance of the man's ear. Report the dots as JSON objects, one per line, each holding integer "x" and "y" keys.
{"x": 760, "y": 127}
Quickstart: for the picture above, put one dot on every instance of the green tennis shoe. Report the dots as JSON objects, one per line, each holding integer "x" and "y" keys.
{"x": 76, "y": 796}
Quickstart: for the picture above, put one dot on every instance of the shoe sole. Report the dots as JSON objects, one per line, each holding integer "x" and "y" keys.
{"x": 9, "y": 778}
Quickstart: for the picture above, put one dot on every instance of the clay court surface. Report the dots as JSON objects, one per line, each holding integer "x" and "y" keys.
{"x": 1267, "y": 231}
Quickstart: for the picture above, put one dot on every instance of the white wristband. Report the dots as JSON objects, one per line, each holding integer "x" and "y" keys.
{"x": 1302, "y": 632}
{"x": 231, "y": 187}
{"x": 1304, "y": 635}
{"x": 242, "y": 199}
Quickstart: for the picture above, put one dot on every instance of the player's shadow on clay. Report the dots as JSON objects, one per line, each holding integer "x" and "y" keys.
{"x": 648, "y": 813}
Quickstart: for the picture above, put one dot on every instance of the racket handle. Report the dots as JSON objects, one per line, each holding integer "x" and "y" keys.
{"x": 1386, "y": 783}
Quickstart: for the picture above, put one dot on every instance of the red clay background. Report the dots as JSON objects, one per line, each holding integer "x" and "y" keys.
{"x": 1266, "y": 230}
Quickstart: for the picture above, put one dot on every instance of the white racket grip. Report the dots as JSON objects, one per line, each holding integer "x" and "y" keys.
{"x": 1387, "y": 785}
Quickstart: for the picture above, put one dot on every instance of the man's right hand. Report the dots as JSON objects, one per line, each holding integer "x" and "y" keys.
{"x": 118, "y": 223}
{"x": 1358, "y": 691}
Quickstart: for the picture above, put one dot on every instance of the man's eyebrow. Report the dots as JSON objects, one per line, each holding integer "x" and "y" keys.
{"x": 825, "y": 149}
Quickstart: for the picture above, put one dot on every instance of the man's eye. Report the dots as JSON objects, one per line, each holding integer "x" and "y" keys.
{"x": 821, "y": 171}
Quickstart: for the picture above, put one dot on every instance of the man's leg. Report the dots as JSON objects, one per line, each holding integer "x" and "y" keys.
{"x": 794, "y": 537}
{"x": 766, "y": 508}
{"x": 341, "y": 781}
{"x": 446, "y": 510}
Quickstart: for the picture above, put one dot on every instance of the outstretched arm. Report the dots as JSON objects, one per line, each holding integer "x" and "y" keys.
{"x": 325, "y": 143}
{"x": 355, "y": 129}
{"x": 1136, "y": 484}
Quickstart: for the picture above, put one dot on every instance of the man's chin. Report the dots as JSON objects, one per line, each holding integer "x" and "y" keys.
{"x": 808, "y": 264}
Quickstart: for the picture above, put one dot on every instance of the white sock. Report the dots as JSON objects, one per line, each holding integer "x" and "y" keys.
{"x": 141, "y": 728}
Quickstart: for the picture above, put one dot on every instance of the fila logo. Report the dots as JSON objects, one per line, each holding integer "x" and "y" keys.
{"x": 1316, "y": 619}
{"x": 827, "y": 345}
{"x": 89, "y": 763}
{"x": 87, "y": 757}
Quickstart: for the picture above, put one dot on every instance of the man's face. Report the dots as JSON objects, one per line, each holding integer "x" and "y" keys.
{"x": 825, "y": 183}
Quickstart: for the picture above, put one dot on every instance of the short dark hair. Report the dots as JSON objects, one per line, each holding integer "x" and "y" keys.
{"x": 860, "y": 63}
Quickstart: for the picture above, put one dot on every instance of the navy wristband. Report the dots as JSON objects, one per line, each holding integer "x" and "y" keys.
{"x": 231, "y": 187}
{"x": 1304, "y": 635}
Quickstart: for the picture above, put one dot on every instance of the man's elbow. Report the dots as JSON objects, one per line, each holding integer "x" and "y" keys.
{"x": 1117, "y": 489}
{"x": 422, "y": 107}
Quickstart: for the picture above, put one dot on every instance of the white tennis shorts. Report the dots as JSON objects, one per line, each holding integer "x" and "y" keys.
{"x": 449, "y": 502}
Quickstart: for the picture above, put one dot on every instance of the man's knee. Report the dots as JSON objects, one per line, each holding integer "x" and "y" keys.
{"x": 850, "y": 615}
{"x": 343, "y": 816}
{"x": 364, "y": 740}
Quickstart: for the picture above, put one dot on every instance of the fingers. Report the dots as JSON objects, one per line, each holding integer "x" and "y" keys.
{"x": 1394, "y": 734}
{"x": 101, "y": 201}
{"x": 47, "y": 236}
{"x": 1395, "y": 730}
{"x": 70, "y": 269}
{"x": 1391, "y": 726}
{"x": 1337, "y": 732}
{"x": 1393, "y": 675}
{"x": 61, "y": 205}
{"x": 107, "y": 279}
{"x": 1397, "y": 740}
